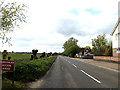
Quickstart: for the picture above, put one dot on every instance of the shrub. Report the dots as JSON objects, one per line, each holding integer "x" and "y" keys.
{"x": 29, "y": 71}
{"x": 71, "y": 51}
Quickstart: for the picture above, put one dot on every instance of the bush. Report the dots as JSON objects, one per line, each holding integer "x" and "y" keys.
{"x": 71, "y": 51}
{"x": 29, "y": 71}
{"x": 7, "y": 84}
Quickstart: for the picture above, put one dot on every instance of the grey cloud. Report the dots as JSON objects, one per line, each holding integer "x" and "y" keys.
{"x": 68, "y": 27}
{"x": 54, "y": 44}
{"x": 50, "y": 44}
{"x": 23, "y": 44}
{"x": 89, "y": 41}
{"x": 106, "y": 29}
{"x": 27, "y": 39}
{"x": 23, "y": 39}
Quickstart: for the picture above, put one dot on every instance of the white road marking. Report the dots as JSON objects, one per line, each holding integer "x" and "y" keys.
{"x": 90, "y": 76}
{"x": 74, "y": 65}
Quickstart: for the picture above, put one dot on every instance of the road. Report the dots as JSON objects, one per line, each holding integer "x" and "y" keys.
{"x": 69, "y": 73}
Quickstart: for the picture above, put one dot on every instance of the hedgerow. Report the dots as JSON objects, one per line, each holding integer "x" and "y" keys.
{"x": 26, "y": 71}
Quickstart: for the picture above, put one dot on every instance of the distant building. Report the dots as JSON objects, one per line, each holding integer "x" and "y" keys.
{"x": 116, "y": 39}
{"x": 84, "y": 51}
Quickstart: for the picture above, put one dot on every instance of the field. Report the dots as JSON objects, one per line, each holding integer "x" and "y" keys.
{"x": 27, "y": 71}
{"x": 19, "y": 56}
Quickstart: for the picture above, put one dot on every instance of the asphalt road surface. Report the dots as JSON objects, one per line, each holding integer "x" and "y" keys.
{"x": 69, "y": 73}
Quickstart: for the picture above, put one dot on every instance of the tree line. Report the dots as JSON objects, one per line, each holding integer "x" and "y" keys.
{"x": 100, "y": 47}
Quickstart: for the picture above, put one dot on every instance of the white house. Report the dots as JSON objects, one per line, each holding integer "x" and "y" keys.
{"x": 116, "y": 39}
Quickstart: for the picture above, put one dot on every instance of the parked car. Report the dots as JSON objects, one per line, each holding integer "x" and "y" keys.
{"x": 87, "y": 56}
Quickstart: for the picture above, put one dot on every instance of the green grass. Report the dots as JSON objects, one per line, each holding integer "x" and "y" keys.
{"x": 6, "y": 83}
{"x": 20, "y": 56}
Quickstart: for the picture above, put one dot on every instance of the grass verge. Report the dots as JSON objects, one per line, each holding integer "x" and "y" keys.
{"x": 6, "y": 83}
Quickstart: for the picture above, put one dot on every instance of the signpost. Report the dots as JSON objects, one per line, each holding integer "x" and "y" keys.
{"x": 8, "y": 66}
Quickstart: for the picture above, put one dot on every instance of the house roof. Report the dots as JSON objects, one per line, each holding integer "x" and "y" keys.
{"x": 115, "y": 26}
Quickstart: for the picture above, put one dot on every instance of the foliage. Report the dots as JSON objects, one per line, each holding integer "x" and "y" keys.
{"x": 71, "y": 47}
{"x": 6, "y": 83}
{"x": 71, "y": 51}
{"x": 108, "y": 50}
{"x": 99, "y": 45}
{"x": 55, "y": 53}
{"x": 49, "y": 54}
{"x": 11, "y": 15}
{"x": 71, "y": 41}
{"x": 42, "y": 55}
{"x": 31, "y": 70}
{"x": 88, "y": 47}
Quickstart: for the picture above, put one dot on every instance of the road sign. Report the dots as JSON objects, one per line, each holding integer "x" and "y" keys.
{"x": 7, "y": 65}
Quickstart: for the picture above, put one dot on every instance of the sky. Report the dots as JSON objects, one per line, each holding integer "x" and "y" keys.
{"x": 52, "y": 22}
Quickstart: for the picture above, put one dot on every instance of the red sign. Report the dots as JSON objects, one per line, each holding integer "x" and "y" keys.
{"x": 7, "y": 65}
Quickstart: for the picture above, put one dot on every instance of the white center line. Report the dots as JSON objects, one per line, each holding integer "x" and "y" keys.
{"x": 74, "y": 65}
{"x": 90, "y": 76}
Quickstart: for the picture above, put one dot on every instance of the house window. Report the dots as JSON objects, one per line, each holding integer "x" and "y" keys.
{"x": 117, "y": 49}
{"x": 119, "y": 35}
{"x": 116, "y": 36}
